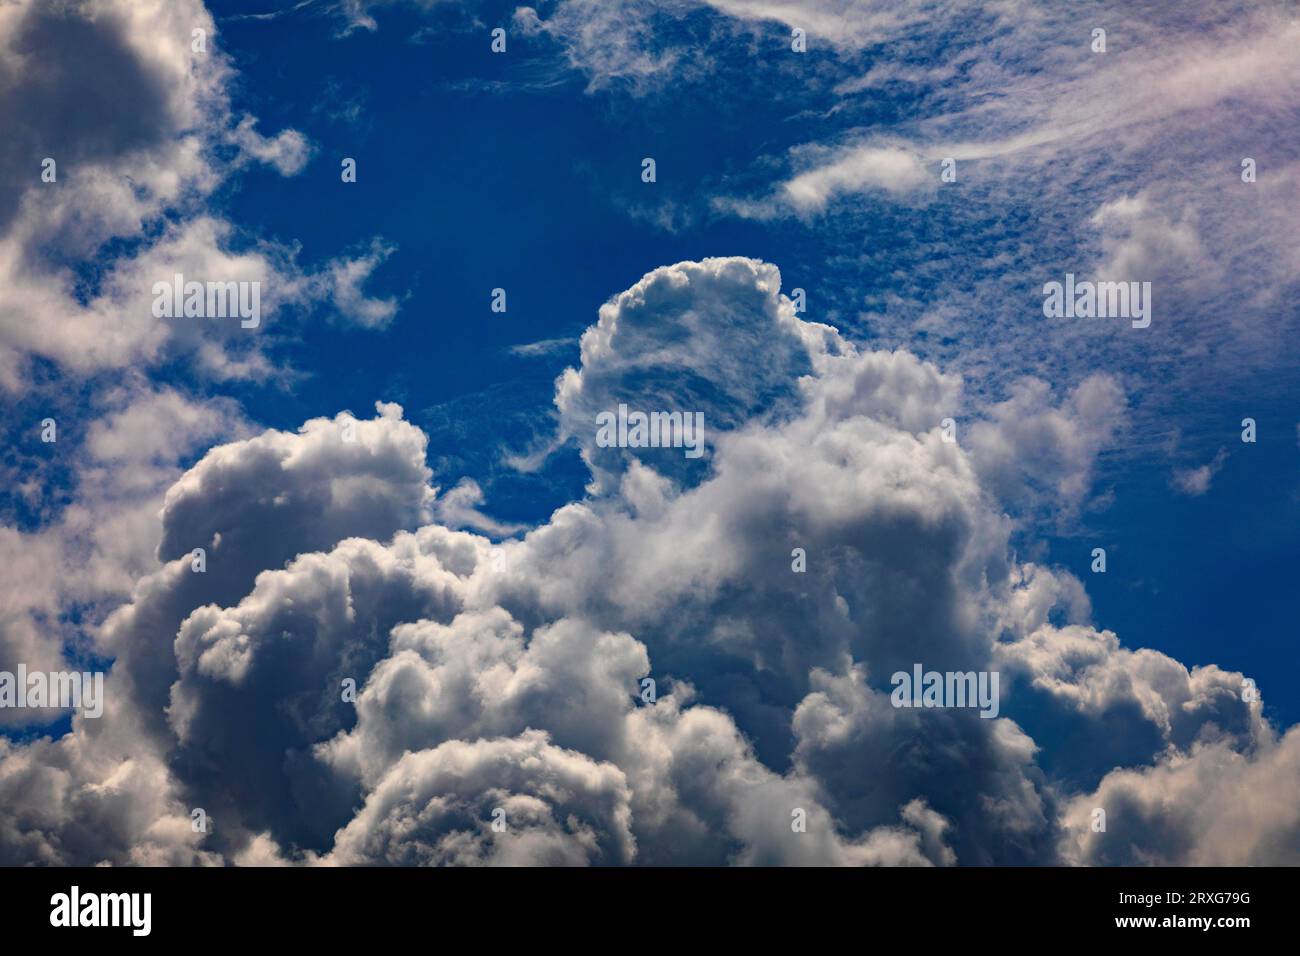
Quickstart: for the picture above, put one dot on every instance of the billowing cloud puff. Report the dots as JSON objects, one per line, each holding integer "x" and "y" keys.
{"x": 29, "y": 600}
{"x": 870, "y": 757}
{"x": 105, "y": 539}
{"x": 555, "y": 807}
{"x": 690, "y": 665}
{"x": 69, "y": 804}
{"x": 684, "y": 339}
{"x": 104, "y": 192}
{"x": 86, "y": 162}
{"x": 1028, "y": 450}
{"x": 477, "y": 677}
{"x": 375, "y": 484}
{"x": 1210, "y": 806}
{"x": 334, "y": 478}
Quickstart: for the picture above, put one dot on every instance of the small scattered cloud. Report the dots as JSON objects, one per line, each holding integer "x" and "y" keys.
{"x": 1195, "y": 482}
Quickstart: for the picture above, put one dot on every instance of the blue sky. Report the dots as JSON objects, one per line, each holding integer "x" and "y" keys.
{"x": 482, "y": 184}
{"x": 522, "y": 171}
